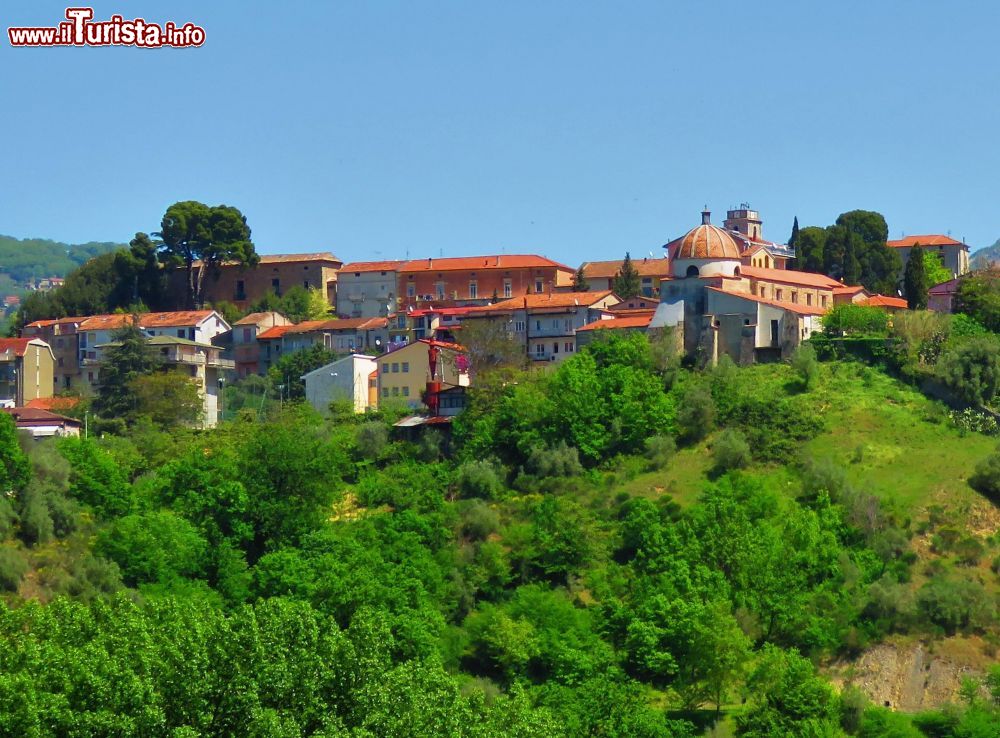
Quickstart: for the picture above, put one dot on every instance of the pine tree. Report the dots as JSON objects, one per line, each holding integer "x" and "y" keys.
{"x": 794, "y": 238}
{"x": 129, "y": 357}
{"x": 580, "y": 283}
{"x": 627, "y": 282}
{"x": 915, "y": 280}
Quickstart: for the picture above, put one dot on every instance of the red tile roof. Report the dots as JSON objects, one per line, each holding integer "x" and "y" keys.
{"x": 373, "y": 266}
{"x": 255, "y": 318}
{"x": 461, "y": 263}
{"x": 608, "y": 269}
{"x": 945, "y": 288}
{"x": 791, "y": 307}
{"x": 286, "y": 258}
{"x": 347, "y": 324}
{"x": 55, "y": 321}
{"x": 146, "y": 320}
{"x": 545, "y": 300}
{"x": 276, "y": 332}
{"x": 630, "y": 321}
{"x": 931, "y": 240}
{"x": 16, "y": 345}
{"x": 53, "y": 403}
{"x": 883, "y": 301}
{"x": 30, "y": 416}
{"x": 790, "y": 276}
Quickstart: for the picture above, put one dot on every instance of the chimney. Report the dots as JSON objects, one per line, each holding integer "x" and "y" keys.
{"x": 498, "y": 261}
{"x": 706, "y": 216}
{"x": 430, "y": 262}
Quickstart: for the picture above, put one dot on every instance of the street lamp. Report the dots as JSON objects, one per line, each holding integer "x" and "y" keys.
{"x": 222, "y": 398}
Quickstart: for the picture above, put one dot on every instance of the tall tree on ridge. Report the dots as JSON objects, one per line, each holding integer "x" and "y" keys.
{"x": 580, "y": 283}
{"x": 915, "y": 280}
{"x": 194, "y": 232}
{"x": 794, "y": 238}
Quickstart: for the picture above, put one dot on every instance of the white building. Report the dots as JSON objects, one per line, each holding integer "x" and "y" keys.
{"x": 351, "y": 378}
{"x": 367, "y": 289}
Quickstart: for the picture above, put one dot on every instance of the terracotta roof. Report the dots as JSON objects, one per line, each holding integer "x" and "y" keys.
{"x": 373, "y": 266}
{"x": 461, "y": 263}
{"x": 545, "y": 300}
{"x": 30, "y": 416}
{"x": 630, "y": 321}
{"x": 883, "y": 301}
{"x": 704, "y": 242}
{"x": 276, "y": 332}
{"x": 845, "y": 290}
{"x": 792, "y": 307}
{"x": 347, "y": 324}
{"x": 55, "y": 321}
{"x": 285, "y": 258}
{"x": 791, "y": 276}
{"x": 636, "y": 303}
{"x": 17, "y": 345}
{"x": 53, "y": 403}
{"x": 442, "y": 344}
{"x": 608, "y": 269}
{"x": 146, "y": 320}
{"x": 255, "y": 318}
{"x": 931, "y": 240}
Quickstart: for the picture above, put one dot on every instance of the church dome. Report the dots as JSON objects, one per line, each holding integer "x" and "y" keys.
{"x": 707, "y": 242}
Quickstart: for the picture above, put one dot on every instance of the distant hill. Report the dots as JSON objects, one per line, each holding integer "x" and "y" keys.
{"x": 24, "y": 259}
{"x": 985, "y": 257}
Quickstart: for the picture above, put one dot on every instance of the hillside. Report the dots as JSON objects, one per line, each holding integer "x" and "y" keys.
{"x": 983, "y": 258}
{"x": 27, "y": 259}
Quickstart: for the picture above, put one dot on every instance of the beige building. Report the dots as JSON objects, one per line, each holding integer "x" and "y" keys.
{"x": 202, "y": 363}
{"x": 246, "y": 348}
{"x": 27, "y": 367}
{"x": 403, "y": 374}
{"x": 275, "y": 273}
{"x": 601, "y": 275}
{"x": 954, "y": 254}
{"x": 349, "y": 379}
{"x": 61, "y": 335}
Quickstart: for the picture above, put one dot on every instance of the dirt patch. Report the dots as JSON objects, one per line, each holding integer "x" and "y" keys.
{"x": 908, "y": 678}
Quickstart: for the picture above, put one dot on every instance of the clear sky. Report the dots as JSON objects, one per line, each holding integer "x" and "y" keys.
{"x": 574, "y": 129}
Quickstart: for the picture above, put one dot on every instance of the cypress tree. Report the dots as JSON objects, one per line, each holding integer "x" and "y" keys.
{"x": 580, "y": 283}
{"x": 915, "y": 280}
{"x": 794, "y": 238}
{"x": 627, "y": 282}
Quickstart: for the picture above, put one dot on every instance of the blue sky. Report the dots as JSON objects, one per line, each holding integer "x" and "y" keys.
{"x": 572, "y": 129}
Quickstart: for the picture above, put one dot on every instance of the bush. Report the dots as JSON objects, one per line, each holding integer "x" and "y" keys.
{"x": 975, "y": 421}
{"x": 856, "y": 320}
{"x": 696, "y": 414}
{"x": 806, "y": 365}
{"x": 479, "y": 520}
{"x": 954, "y": 604}
{"x": 371, "y": 439}
{"x": 659, "y": 451}
{"x": 986, "y": 479}
{"x": 560, "y": 460}
{"x": 731, "y": 451}
{"x": 478, "y": 479}
{"x": 154, "y": 547}
{"x": 972, "y": 370}
{"x": 12, "y": 568}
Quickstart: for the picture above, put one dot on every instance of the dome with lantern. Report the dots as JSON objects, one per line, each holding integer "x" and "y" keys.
{"x": 704, "y": 251}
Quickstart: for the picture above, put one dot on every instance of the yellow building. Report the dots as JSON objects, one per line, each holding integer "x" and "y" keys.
{"x": 403, "y": 373}
{"x": 27, "y": 368}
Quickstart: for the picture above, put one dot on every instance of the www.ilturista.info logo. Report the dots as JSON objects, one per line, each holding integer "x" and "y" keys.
{"x": 79, "y": 29}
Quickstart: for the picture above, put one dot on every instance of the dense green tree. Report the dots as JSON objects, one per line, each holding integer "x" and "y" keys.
{"x": 491, "y": 347}
{"x": 15, "y": 469}
{"x": 290, "y": 368}
{"x": 169, "y": 398}
{"x": 851, "y": 270}
{"x": 972, "y": 370}
{"x": 128, "y": 358}
{"x": 936, "y": 271}
{"x": 580, "y": 282}
{"x": 986, "y": 478}
{"x": 915, "y": 284}
{"x": 627, "y": 283}
{"x": 297, "y": 304}
{"x": 153, "y": 547}
{"x": 978, "y": 296}
{"x": 194, "y": 232}
{"x": 810, "y": 247}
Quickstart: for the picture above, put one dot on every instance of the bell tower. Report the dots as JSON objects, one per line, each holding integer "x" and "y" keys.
{"x": 744, "y": 220}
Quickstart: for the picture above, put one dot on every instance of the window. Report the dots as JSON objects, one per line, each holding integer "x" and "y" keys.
{"x": 795, "y": 297}
{"x": 406, "y": 367}
{"x": 519, "y": 326}
{"x": 763, "y": 290}
{"x": 555, "y": 324}
{"x": 241, "y": 290}
{"x": 473, "y": 290}
{"x": 276, "y": 286}
{"x": 569, "y": 347}
{"x": 385, "y": 368}
{"x": 538, "y": 325}
{"x": 247, "y": 335}
{"x": 779, "y": 294}
{"x": 395, "y": 367}
{"x": 567, "y": 325}
{"x": 385, "y": 392}
{"x": 822, "y": 300}
{"x": 305, "y": 283}
{"x": 440, "y": 290}
{"x": 180, "y": 332}
{"x": 555, "y": 347}
{"x": 538, "y": 285}
{"x": 395, "y": 391}
{"x": 506, "y": 288}
{"x": 539, "y": 349}
{"x": 809, "y": 298}
{"x": 406, "y": 391}
{"x": 83, "y": 340}
{"x": 411, "y": 289}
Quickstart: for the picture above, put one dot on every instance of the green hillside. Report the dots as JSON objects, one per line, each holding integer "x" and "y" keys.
{"x": 35, "y": 258}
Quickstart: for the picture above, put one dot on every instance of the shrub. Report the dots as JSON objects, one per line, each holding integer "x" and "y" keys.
{"x": 478, "y": 478}
{"x": 659, "y": 451}
{"x": 972, "y": 370}
{"x": 479, "y": 520}
{"x": 856, "y": 320}
{"x": 954, "y": 604}
{"x": 731, "y": 451}
{"x": 805, "y": 365}
{"x": 560, "y": 460}
{"x": 12, "y": 568}
{"x": 986, "y": 479}
{"x": 696, "y": 414}
{"x": 371, "y": 439}
{"x": 975, "y": 421}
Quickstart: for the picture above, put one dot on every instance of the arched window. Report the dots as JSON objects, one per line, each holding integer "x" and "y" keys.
{"x": 692, "y": 271}
{"x": 736, "y": 272}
